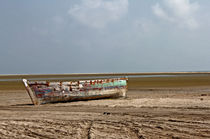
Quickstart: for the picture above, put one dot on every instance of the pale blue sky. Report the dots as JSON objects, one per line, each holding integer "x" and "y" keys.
{"x": 88, "y": 36}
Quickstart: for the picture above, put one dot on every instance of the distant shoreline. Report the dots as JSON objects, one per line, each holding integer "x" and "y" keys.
{"x": 110, "y": 73}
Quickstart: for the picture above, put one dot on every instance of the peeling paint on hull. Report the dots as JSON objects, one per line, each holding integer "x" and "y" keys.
{"x": 42, "y": 92}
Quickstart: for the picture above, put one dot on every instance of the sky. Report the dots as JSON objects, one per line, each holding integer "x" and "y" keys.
{"x": 104, "y": 36}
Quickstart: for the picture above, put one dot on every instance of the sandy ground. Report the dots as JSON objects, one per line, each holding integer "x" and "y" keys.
{"x": 145, "y": 113}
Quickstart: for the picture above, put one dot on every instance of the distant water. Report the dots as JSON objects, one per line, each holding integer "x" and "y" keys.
{"x": 101, "y": 77}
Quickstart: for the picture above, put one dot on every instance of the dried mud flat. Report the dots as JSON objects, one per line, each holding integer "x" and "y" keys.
{"x": 145, "y": 113}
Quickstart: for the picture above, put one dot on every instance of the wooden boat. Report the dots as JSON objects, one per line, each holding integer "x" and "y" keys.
{"x": 42, "y": 92}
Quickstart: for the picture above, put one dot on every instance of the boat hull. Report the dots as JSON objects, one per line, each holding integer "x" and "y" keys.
{"x": 42, "y": 92}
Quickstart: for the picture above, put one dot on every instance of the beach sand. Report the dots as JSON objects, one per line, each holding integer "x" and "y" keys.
{"x": 145, "y": 113}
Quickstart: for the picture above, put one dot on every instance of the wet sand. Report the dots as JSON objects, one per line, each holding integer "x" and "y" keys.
{"x": 174, "y": 112}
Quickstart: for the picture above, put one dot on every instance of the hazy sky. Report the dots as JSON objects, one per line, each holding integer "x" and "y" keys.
{"x": 86, "y": 36}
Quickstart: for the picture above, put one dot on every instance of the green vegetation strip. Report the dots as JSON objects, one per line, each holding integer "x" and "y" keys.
{"x": 135, "y": 83}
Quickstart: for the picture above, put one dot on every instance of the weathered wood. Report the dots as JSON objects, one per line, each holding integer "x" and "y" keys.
{"x": 42, "y": 92}
{"x": 31, "y": 94}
